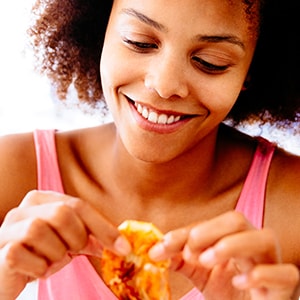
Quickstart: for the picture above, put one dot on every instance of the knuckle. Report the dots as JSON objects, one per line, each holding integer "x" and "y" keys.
{"x": 79, "y": 243}
{"x": 65, "y": 217}
{"x": 11, "y": 255}
{"x": 76, "y": 204}
{"x": 30, "y": 198}
{"x": 238, "y": 221}
{"x": 34, "y": 230}
{"x": 12, "y": 215}
{"x": 39, "y": 270}
{"x": 62, "y": 214}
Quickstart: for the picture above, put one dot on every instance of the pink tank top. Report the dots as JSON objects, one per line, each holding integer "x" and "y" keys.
{"x": 79, "y": 280}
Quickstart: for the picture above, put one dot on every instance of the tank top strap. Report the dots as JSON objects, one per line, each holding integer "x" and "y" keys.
{"x": 252, "y": 199}
{"x": 49, "y": 177}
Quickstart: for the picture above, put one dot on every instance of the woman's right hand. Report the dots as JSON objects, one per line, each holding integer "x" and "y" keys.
{"x": 41, "y": 235}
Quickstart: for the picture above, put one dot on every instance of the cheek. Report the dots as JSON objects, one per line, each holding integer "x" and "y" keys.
{"x": 219, "y": 95}
{"x": 108, "y": 79}
{"x": 116, "y": 68}
{"x": 107, "y": 67}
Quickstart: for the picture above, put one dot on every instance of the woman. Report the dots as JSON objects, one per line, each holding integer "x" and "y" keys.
{"x": 171, "y": 72}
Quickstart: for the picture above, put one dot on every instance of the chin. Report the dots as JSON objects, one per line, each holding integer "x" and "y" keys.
{"x": 154, "y": 154}
{"x": 155, "y": 158}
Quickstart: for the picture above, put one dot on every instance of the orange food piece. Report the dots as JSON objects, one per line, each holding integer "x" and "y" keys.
{"x": 136, "y": 277}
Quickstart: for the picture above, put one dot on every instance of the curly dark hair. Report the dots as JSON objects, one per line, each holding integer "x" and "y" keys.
{"x": 67, "y": 38}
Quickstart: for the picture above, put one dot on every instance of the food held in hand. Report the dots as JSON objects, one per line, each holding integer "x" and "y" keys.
{"x": 136, "y": 277}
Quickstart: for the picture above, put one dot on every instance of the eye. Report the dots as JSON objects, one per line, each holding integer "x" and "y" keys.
{"x": 209, "y": 67}
{"x": 141, "y": 47}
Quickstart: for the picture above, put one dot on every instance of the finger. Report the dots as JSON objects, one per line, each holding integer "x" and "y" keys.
{"x": 207, "y": 233}
{"x": 67, "y": 224}
{"x": 100, "y": 227}
{"x": 259, "y": 245}
{"x": 93, "y": 248}
{"x": 16, "y": 258}
{"x": 36, "y": 197}
{"x": 63, "y": 220}
{"x": 195, "y": 273}
{"x": 91, "y": 220}
{"x": 38, "y": 237}
{"x": 278, "y": 277}
{"x": 226, "y": 224}
{"x": 171, "y": 245}
{"x": 75, "y": 220}
{"x": 31, "y": 200}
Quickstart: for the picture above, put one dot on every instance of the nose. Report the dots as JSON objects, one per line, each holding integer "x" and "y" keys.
{"x": 166, "y": 75}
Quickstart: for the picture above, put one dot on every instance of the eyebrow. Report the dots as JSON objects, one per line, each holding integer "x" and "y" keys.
{"x": 143, "y": 18}
{"x": 202, "y": 38}
{"x": 221, "y": 38}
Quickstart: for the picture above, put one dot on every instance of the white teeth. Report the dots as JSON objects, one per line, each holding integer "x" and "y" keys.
{"x": 145, "y": 113}
{"x": 139, "y": 108}
{"x": 162, "y": 119}
{"x": 154, "y": 117}
{"x": 171, "y": 120}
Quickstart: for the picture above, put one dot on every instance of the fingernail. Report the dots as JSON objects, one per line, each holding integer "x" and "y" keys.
{"x": 122, "y": 246}
{"x": 188, "y": 256}
{"x": 240, "y": 281}
{"x": 208, "y": 258}
{"x": 156, "y": 252}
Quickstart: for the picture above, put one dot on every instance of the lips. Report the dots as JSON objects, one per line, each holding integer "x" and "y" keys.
{"x": 156, "y": 117}
{"x": 159, "y": 121}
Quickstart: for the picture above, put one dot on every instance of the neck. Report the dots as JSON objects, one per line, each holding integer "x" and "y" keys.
{"x": 187, "y": 175}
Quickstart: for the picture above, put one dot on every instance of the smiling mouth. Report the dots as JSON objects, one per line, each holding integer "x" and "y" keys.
{"x": 155, "y": 117}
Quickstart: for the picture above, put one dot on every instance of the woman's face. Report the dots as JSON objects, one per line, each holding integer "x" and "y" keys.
{"x": 171, "y": 71}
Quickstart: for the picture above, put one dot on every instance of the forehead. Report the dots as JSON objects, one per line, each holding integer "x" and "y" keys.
{"x": 214, "y": 15}
{"x": 249, "y": 6}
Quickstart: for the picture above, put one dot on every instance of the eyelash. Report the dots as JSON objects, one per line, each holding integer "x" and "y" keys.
{"x": 208, "y": 67}
{"x": 140, "y": 46}
{"x": 200, "y": 63}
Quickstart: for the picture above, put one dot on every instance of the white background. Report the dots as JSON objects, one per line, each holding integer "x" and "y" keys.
{"x": 25, "y": 98}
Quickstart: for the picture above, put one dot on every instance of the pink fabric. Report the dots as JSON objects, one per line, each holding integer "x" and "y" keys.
{"x": 48, "y": 170}
{"x": 251, "y": 202}
{"x": 79, "y": 280}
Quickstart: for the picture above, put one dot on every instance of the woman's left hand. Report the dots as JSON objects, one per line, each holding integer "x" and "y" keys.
{"x": 227, "y": 258}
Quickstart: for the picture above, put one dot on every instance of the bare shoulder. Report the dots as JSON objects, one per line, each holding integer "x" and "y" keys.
{"x": 283, "y": 202}
{"x": 285, "y": 174}
{"x": 83, "y": 141}
{"x": 17, "y": 169}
